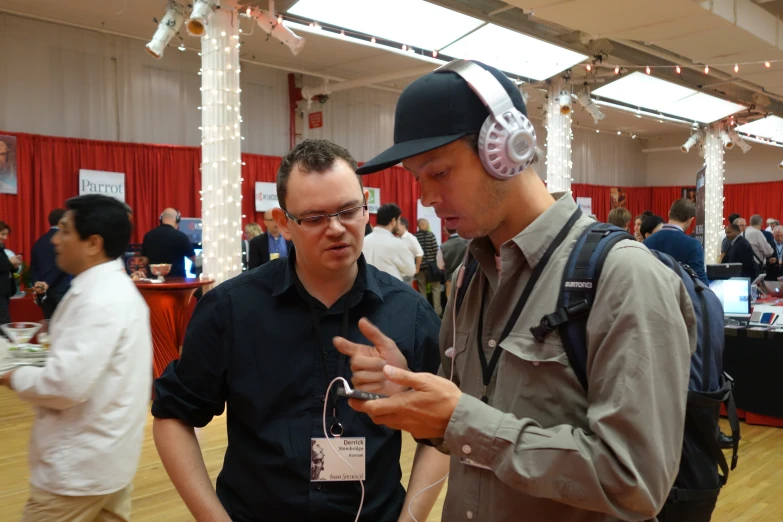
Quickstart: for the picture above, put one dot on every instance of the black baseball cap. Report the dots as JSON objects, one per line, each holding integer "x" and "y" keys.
{"x": 435, "y": 110}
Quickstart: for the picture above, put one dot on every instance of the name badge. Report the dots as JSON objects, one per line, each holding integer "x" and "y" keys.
{"x": 273, "y": 255}
{"x": 470, "y": 463}
{"x": 326, "y": 466}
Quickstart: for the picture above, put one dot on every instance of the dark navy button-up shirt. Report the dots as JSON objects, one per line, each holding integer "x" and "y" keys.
{"x": 252, "y": 346}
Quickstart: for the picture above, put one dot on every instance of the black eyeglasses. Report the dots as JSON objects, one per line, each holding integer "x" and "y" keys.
{"x": 346, "y": 217}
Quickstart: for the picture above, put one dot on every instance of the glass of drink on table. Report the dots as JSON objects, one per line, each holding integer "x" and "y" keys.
{"x": 20, "y": 333}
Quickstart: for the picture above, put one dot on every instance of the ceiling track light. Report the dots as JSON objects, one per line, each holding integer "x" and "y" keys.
{"x": 693, "y": 140}
{"x": 591, "y": 108}
{"x": 728, "y": 144}
{"x": 565, "y": 102}
{"x": 268, "y": 23}
{"x": 199, "y": 16}
{"x": 167, "y": 28}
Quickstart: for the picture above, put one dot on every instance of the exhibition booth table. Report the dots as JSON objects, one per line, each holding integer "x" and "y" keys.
{"x": 170, "y": 310}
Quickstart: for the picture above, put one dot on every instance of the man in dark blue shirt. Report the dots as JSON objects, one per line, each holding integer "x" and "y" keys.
{"x": 261, "y": 344}
{"x": 672, "y": 240}
{"x": 50, "y": 283}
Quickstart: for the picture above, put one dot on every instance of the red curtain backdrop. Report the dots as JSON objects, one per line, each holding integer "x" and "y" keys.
{"x": 159, "y": 176}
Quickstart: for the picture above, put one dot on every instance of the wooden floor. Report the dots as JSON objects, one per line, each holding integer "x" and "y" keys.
{"x": 754, "y": 492}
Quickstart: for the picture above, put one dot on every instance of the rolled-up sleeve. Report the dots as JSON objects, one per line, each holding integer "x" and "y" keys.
{"x": 641, "y": 334}
{"x": 193, "y": 388}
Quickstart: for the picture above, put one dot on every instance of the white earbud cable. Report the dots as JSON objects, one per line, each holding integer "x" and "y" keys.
{"x": 451, "y": 353}
{"x": 326, "y": 435}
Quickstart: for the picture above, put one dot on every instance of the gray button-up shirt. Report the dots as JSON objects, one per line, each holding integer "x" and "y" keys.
{"x": 542, "y": 450}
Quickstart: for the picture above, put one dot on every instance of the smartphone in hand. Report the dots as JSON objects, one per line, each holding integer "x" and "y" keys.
{"x": 359, "y": 394}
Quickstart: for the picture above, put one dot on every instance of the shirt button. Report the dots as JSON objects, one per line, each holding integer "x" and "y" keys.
{"x": 323, "y": 398}
{"x": 469, "y": 514}
{"x": 535, "y": 363}
{"x": 492, "y": 343}
{"x": 318, "y": 487}
{"x": 466, "y": 449}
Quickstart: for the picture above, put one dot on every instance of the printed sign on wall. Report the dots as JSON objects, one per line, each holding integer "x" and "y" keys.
{"x": 373, "y": 199}
{"x": 316, "y": 120}
{"x": 100, "y": 182}
{"x": 586, "y": 204}
{"x": 266, "y": 196}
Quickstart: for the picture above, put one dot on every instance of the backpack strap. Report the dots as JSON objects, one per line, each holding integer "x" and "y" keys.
{"x": 580, "y": 280}
{"x": 470, "y": 270}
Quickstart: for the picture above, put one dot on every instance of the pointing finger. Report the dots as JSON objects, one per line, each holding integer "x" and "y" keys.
{"x": 349, "y": 348}
{"x": 373, "y": 334}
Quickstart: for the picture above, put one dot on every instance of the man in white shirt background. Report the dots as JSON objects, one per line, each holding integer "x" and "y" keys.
{"x": 92, "y": 394}
{"x": 413, "y": 245}
{"x": 384, "y": 250}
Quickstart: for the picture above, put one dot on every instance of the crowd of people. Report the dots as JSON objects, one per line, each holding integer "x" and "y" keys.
{"x": 491, "y": 404}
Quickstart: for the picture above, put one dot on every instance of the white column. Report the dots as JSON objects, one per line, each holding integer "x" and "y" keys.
{"x": 221, "y": 167}
{"x": 558, "y": 139}
{"x": 713, "y": 194}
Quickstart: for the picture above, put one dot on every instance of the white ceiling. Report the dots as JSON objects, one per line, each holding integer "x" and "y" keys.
{"x": 321, "y": 55}
{"x": 683, "y": 27}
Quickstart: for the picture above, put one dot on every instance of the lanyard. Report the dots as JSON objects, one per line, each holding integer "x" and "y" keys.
{"x": 779, "y": 248}
{"x": 336, "y": 429}
{"x": 488, "y": 368}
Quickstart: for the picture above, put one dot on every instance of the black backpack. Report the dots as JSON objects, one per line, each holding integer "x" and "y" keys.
{"x": 698, "y": 482}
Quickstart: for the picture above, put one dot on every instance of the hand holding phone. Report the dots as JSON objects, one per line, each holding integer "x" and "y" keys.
{"x": 359, "y": 394}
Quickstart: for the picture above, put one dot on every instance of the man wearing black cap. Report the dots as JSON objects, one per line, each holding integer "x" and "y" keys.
{"x": 526, "y": 442}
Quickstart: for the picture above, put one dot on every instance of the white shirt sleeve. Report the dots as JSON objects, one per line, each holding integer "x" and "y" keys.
{"x": 82, "y": 354}
{"x": 414, "y": 246}
{"x": 406, "y": 263}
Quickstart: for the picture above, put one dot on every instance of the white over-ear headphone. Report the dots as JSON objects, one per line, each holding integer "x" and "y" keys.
{"x": 507, "y": 140}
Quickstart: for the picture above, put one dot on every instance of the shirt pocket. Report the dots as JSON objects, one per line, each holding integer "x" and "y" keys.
{"x": 535, "y": 381}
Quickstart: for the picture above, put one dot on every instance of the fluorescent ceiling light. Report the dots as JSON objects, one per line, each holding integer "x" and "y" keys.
{"x": 358, "y": 41}
{"x": 513, "y": 52}
{"x": 651, "y": 93}
{"x": 412, "y": 22}
{"x": 770, "y": 128}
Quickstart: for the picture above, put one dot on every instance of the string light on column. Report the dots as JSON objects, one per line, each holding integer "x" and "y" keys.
{"x": 221, "y": 154}
{"x": 558, "y": 138}
{"x": 713, "y": 193}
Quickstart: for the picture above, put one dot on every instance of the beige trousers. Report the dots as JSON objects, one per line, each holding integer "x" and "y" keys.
{"x": 43, "y": 506}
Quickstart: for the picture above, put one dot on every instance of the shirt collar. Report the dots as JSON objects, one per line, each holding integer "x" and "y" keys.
{"x": 382, "y": 231}
{"x": 533, "y": 241}
{"x": 365, "y": 281}
{"x": 95, "y": 275}
{"x": 669, "y": 226}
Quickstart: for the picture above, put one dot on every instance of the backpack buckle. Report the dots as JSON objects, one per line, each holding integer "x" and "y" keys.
{"x": 551, "y": 322}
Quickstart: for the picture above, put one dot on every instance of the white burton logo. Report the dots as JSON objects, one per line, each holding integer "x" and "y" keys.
{"x": 579, "y": 284}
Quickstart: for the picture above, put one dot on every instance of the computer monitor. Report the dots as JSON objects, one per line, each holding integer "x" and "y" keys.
{"x": 189, "y": 265}
{"x": 724, "y": 271}
{"x": 191, "y": 227}
{"x": 734, "y": 294}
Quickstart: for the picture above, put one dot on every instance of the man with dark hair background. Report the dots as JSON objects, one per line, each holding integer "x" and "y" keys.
{"x": 672, "y": 240}
{"x": 260, "y": 344}
{"x": 384, "y": 250}
{"x": 91, "y": 397}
